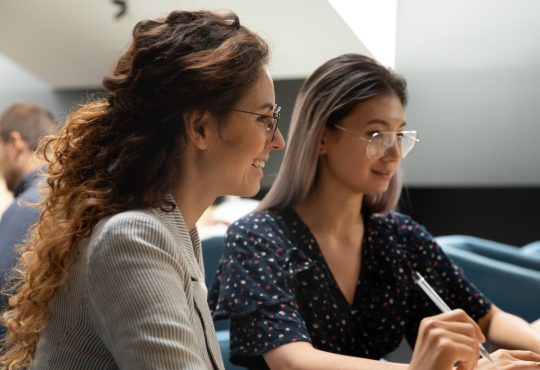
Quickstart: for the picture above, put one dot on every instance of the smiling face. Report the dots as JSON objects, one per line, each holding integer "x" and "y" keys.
{"x": 245, "y": 145}
{"x": 344, "y": 160}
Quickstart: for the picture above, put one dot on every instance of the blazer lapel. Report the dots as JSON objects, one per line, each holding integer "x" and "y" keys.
{"x": 174, "y": 221}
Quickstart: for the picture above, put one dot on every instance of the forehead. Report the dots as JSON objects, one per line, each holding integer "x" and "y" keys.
{"x": 262, "y": 92}
{"x": 385, "y": 107}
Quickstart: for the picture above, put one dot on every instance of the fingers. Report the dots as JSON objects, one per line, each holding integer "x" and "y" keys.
{"x": 446, "y": 339}
{"x": 510, "y": 360}
{"x": 520, "y": 355}
{"x": 523, "y": 365}
{"x": 460, "y": 316}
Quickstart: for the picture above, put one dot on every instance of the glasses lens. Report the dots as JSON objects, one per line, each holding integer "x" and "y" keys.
{"x": 382, "y": 142}
{"x": 408, "y": 141}
{"x": 378, "y": 145}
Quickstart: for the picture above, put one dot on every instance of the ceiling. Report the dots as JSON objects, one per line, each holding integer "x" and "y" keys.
{"x": 72, "y": 44}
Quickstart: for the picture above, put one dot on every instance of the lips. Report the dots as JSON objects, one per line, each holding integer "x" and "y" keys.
{"x": 383, "y": 172}
{"x": 258, "y": 163}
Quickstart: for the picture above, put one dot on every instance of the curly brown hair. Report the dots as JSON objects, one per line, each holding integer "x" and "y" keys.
{"x": 123, "y": 152}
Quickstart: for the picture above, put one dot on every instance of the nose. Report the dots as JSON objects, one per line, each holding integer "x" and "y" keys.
{"x": 393, "y": 153}
{"x": 278, "y": 142}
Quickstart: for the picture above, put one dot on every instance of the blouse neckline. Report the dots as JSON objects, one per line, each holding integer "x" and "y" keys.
{"x": 316, "y": 254}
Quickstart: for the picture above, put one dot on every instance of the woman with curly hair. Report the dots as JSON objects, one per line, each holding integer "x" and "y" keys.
{"x": 111, "y": 276}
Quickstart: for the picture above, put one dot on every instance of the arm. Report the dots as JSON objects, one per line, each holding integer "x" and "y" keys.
{"x": 508, "y": 331}
{"x": 136, "y": 289}
{"x": 302, "y": 355}
{"x": 442, "y": 341}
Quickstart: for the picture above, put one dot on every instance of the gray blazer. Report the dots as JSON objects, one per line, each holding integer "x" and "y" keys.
{"x": 135, "y": 298}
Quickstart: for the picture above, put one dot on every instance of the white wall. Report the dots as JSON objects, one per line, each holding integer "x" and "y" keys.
{"x": 473, "y": 68}
{"x": 18, "y": 85}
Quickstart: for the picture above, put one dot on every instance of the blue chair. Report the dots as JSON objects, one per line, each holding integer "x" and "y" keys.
{"x": 511, "y": 287}
{"x": 528, "y": 256}
{"x": 212, "y": 249}
{"x": 531, "y": 249}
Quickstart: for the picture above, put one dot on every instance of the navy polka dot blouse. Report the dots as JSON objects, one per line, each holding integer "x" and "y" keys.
{"x": 275, "y": 286}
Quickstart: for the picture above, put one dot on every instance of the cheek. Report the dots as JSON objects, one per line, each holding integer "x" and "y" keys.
{"x": 246, "y": 137}
{"x": 241, "y": 153}
{"x": 352, "y": 159}
{"x": 253, "y": 145}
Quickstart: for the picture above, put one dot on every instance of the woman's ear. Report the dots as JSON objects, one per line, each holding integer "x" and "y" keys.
{"x": 198, "y": 125}
{"x": 323, "y": 145}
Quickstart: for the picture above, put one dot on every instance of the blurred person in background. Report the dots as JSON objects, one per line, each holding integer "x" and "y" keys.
{"x": 21, "y": 128}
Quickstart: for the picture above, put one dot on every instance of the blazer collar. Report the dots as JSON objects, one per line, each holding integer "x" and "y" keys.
{"x": 174, "y": 221}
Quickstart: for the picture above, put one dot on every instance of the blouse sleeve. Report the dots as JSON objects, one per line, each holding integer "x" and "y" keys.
{"x": 448, "y": 280}
{"x": 254, "y": 287}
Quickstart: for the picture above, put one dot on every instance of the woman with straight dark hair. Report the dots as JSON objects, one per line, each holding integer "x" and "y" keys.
{"x": 111, "y": 277}
{"x": 321, "y": 277}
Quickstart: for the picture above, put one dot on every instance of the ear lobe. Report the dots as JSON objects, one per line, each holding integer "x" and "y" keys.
{"x": 323, "y": 142}
{"x": 197, "y": 128}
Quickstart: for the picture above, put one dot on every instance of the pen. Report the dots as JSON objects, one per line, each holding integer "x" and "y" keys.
{"x": 432, "y": 294}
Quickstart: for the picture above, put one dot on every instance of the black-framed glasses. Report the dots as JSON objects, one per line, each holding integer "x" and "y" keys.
{"x": 381, "y": 142}
{"x": 270, "y": 122}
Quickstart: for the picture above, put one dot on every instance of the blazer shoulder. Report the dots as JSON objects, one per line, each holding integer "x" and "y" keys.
{"x": 129, "y": 227}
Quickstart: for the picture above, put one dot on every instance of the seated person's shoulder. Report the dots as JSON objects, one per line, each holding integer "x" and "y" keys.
{"x": 129, "y": 226}
{"x": 400, "y": 226}
{"x": 128, "y": 221}
{"x": 260, "y": 231}
{"x": 394, "y": 220}
{"x": 256, "y": 222}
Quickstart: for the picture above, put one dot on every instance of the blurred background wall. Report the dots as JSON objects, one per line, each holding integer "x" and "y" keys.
{"x": 473, "y": 68}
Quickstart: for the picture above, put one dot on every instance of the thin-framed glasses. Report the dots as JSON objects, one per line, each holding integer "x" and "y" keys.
{"x": 270, "y": 122}
{"x": 381, "y": 142}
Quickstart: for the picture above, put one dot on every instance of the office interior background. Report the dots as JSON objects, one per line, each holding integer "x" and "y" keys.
{"x": 472, "y": 66}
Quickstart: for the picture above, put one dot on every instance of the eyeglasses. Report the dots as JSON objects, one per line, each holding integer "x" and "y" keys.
{"x": 270, "y": 122}
{"x": 381, "y": 142}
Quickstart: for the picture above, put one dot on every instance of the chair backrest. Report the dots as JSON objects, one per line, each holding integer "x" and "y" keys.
{"x": 512, "y": 288}
{"x": 212, "y": 249}
{"x": 531, "y": 249}
{"x": 491, "y": 249}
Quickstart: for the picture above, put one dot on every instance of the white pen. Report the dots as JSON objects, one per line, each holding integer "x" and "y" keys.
{"x": 435, "y": 298}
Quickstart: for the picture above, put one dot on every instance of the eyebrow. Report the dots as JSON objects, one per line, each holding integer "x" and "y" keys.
{"x": 267, "y": 106}
{"x": 383, "y": 122}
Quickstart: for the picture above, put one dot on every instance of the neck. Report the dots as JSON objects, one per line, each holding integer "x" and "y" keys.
{"x": 29, "y": 166}
{"x": 192, "y": 200}
{"x": 195, "y": 190}
{"x": 328, "y": 210}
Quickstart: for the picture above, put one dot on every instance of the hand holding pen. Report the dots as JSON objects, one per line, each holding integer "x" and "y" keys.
{"x": 435, "y": 298}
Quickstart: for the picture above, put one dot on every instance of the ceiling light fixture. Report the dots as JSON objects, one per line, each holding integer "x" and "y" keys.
{"x": 122, "y": 4}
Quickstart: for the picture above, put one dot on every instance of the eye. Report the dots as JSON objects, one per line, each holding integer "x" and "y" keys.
{"x": 374, "y": 134}
{"x": 267, "y": 121}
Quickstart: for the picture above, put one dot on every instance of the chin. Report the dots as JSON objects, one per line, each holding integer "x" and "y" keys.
{"x": 376, "y": 190}
{"x": 251, "y": 193}
{"x": 247, "y": 191}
